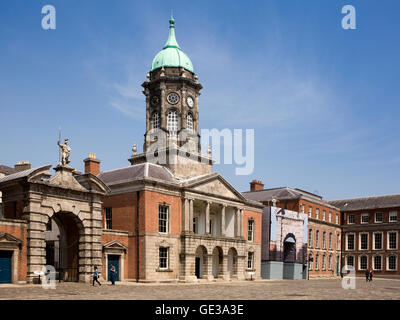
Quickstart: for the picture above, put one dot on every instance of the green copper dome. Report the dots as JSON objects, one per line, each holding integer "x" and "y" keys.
{"x": 172, "y": 55}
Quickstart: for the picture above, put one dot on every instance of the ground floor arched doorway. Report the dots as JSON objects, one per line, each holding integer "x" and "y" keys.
{"x": 217, "y": 262}
{"x": 289, "y": 248}
{"x": 232, "y": 262}
{"x": 201, "y": 261}
{"x": 62, "y": 245}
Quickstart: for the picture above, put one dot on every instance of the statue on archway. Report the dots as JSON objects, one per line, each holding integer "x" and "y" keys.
{"x": 65, "y": 151}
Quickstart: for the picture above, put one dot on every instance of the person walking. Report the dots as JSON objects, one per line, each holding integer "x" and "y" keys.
{"x": 113, "y": 273}
{"x": 96, "y": 276}
{"x": 371, "y": 273}
{"x": 367, "y": 275}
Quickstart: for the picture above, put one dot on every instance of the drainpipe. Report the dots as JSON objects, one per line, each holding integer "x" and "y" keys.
{"x": 137, "y": 235}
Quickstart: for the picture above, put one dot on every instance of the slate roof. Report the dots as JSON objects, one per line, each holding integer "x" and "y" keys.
{"x": 285, "y": 193}
{"x": 138, "y": 171}
{"x": 376, "y": 202}
{"x": 21, "y": 174}
{"x": 7, "y": 170}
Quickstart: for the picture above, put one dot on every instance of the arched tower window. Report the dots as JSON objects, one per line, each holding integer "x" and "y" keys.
{"x": 189, "y": 122}
{"x": 172, "y": 121}
{"x": 155, "y": 121}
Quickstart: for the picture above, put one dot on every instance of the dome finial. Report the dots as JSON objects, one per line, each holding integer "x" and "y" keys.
{"x": 171, "y": 20}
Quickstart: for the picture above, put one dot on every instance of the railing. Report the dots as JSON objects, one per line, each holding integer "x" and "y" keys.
{"x": 68, "y": 274}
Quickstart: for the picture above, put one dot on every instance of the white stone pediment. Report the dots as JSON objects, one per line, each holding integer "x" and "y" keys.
{"x": 217, "y": 187}
{"x": 114, "y": 245}
{"x": 65, "y": 178}
{"x": 8, "y": 240}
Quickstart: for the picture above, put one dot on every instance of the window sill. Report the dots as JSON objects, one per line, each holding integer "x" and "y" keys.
{"x": 164, "y": 270}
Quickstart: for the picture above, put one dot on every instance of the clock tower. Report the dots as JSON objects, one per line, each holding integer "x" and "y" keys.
{"x": 172, "y": 93}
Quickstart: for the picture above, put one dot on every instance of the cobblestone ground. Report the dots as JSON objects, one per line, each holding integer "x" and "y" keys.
{"x": 240, "y": 290}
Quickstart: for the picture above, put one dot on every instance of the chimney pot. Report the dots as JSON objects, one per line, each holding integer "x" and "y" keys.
{"x": 92, "y": 164}
{"x": 256, "y": 185}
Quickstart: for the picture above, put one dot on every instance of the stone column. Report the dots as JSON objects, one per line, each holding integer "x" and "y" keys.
{"x": 223, "y": 220}
{"x": 237, "y": 227}
{"x": 208, "y": 217}
{"x": 186, "y": 216}
{"x": 191, "y": 215}
{"x": 241, "y": 216}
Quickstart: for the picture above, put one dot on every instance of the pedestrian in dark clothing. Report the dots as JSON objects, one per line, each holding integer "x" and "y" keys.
{"x": 113, "y": 273}
{"x": 370, "y": 275}
{"x": 367, "y": 275}
{"x": 96, "y": 276}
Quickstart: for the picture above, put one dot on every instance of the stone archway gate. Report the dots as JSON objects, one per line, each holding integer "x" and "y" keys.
{"x": 44, "y": 195}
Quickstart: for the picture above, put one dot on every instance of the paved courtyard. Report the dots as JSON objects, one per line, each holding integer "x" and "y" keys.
{"x": 241, "y": 290}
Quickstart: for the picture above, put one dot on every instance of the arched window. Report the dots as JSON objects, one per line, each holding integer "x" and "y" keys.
{"x": 189, "y": 122}
{"x": 330, "y": 262}
{"x": 317, "y": 239}
{"x": 323, "y": 262}
{"x": 317, "y": 262}
{"x": 155, "y": 121}
{"x": 172, "y": 121}
{"x": 324, "y": 240}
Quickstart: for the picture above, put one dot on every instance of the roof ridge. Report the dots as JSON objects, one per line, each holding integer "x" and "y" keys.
{"x": 368, "y": 197}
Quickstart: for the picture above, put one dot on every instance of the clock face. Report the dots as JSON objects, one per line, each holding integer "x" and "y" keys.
{"x": 189, "y": 101}
{"x": 173, "y": 98}
{"x": 155, "y": 100}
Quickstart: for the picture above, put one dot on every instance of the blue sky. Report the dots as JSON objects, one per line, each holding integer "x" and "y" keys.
{"x": 323, "y": 101}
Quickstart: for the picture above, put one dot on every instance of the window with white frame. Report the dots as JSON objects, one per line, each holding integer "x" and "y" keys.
{"x": 303, "y": 208}
{"x": 317, "y": 262}
{"x": 330, "y": 262}
{"x": 330, "y": 241}
{"x": 392, "y": 216}
{"x": 338, "y": 241}
{"x": 309, "y": 211}
{"x": 324, "y": 240}
{"x": 351, "y": 219}
{"x": 155, "y": 121}
{"x": 316, "y": 213}
{"x": 378, "y": 217}
{"x": 310, "y": 262}
{"x": 391, "y": 263}
{"x": 337, "y": 219}
{"x": 317, "y": 239}
{"x": 363, "y": 241}
{"x": 350, "y": 241}
{"x": 323, "y": 262}
{"x": 310, "y": 238}
{"x": 364, "y": 218}
{"x": 363, "y": 263}
{"x": 323, "y": 215}
{"x": 350, "y": 261}
{"x": 172, "y": 121}
{"x": 163, "y": 257}
{"x": 377, "y": 262}
{"x": 378, "y": 241}
{"x": 392, "y": 240}
{"x": 189, "y": 122}
{"x": 250, "y": 260}
{"x": 330, "y": 216}
{"x": 163, "y": 217}
{"x": 108, "y": 218}
{"x": 250, "y": 230}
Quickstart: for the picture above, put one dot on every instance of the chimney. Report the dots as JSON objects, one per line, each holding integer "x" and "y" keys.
{"x": 22, "y": 165}
{"x": 256, "y": 185}
{"x": 92, "y": 165}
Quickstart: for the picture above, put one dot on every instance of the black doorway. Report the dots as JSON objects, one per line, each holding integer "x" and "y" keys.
{"x": 197, "y": 272}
